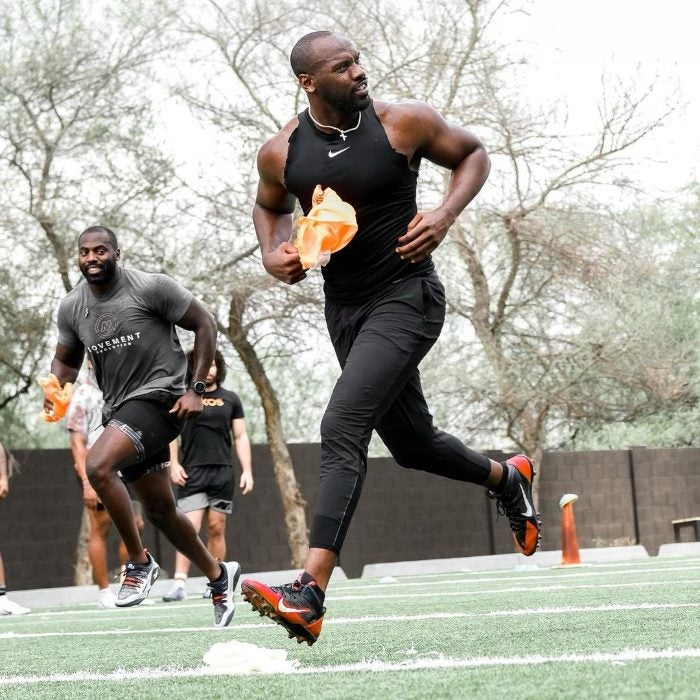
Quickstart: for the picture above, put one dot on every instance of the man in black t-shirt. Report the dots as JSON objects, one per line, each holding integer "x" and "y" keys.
{"x": 202, "y": 472}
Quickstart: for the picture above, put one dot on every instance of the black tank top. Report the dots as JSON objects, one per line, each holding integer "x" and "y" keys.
{"x": 369, "y": 174}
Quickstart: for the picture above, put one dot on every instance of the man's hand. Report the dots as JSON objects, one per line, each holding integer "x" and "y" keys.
{"x": 178, "y": 475}
{"x": 424, "y": 234}
{"x": 4, "y": 486}
{"x": 284, "y": 263}
{"x": 246, "y": 483}
{"x": 90, "y": 498}
{"x": 188, "y": 405}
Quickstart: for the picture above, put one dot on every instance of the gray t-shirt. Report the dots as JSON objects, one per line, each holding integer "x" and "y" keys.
{"x": 129, "y": 335}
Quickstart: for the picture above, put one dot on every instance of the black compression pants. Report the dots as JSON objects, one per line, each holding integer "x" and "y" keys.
{"x": 379, "y": 345}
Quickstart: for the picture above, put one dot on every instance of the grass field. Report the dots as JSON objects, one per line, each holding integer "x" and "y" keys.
{"x": 623, "y": 630}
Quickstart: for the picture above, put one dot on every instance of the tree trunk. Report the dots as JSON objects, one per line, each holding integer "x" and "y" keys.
{"x": 82, "y": 566}
{"x": 292, "y": 500}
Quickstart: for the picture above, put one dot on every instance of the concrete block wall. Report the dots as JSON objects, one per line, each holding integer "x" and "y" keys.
{"x": 402, "y": 515}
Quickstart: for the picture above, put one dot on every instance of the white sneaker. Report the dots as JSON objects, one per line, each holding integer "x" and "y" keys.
{"x": 7, "y": 607}
{"x": 222, "y": 594}
{"x": 106, "y": 599}
{"x": 176, "y": 592}
{"x": 138, "y": 581}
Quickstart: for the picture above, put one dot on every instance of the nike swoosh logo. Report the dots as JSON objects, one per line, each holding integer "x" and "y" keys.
{"x": 283, "y": 608}
{"x": 528, "y": 510}
{"x": 333, "y": 154}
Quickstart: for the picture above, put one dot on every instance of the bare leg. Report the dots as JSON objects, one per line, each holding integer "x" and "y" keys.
{"x": 320, "y": 564}
{"x": 2, "y": 574}
{"x": 111, "y": 449}
{"x": 156, "y": 496}
{"x": 182, "y": 563}
{"x": 495, "y": 475}
{"x": 97, "y": 546}
{"x": 216, "y": 534}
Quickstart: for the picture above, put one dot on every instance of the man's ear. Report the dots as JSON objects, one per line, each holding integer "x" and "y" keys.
{"x": 306, "y": 82}
{"x": 118, "y": 254}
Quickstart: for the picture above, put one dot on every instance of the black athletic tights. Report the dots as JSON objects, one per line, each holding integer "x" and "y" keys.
{"x": 379, "y": 346}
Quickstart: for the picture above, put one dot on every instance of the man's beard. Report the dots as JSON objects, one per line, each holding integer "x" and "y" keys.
{"x": 106, "y": 274}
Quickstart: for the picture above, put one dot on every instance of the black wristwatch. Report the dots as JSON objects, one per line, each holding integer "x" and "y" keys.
{"x": 199, "y": 387}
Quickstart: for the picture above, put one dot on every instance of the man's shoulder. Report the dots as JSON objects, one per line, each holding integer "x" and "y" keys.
{"x": 75, "y": 295}
{"x": 276, "y": 146}
{"x": 403, "y": 110}
{"x": 148, "y": 285}
{"x": 139, "y": 278}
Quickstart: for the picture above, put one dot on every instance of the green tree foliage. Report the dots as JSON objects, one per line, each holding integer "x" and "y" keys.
{"x": 76, "y": 149}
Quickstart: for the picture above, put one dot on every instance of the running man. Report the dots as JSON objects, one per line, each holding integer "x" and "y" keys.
{"x": 125, "y": 319}
{"x": 203, "y": 476}
{"x": 385, "y": 305}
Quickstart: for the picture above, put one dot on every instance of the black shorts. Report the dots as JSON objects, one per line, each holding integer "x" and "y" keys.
{"x": 151, "y": 428}
{"x": 207, "y": 487}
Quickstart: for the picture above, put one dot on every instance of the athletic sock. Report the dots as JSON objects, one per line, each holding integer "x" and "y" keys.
{"x": 306, "y": 578}
{"x": 3, "y": 590}
{"x": 222, "y": 574}
{"x": 180, "y": 579}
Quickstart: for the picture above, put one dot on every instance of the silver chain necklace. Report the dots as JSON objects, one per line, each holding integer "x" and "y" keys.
{"x": 342, "y": 132}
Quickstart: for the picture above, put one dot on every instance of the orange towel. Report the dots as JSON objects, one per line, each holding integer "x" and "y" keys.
{"x": 60, "y": 396}
{"x": 329, "y": 226}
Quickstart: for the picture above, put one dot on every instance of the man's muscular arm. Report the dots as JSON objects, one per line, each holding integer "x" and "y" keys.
{"x": 421, "y": 132}
{"x": 273, "y": 213}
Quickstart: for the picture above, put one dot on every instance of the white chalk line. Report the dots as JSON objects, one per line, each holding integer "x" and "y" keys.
{"x": 389, "y": 591}
{"x": 436, "y": 661}
{"x": 555, "y": 610}
{"x": 534, "y": 576}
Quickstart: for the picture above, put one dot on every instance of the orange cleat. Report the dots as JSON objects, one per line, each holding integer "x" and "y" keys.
{"x": 298, "y": 608}
{"x": 515, "y": 502}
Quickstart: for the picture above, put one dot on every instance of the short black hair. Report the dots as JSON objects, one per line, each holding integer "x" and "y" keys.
{"x": 102, "y": 229}
{"x": 302, "y": 56}
{"x": 218, "y": 361}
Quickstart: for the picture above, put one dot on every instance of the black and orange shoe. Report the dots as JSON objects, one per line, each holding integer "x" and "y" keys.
{"x": 515, "y": 502}
{"x": 297, "y": 607}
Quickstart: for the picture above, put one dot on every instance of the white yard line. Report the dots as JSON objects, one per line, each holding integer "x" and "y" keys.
{"x": 563, "y": 610}
{"x": 517, "y": 589}
{"x": 391, "y": 591}
{"x": 434, "y": 661}
{"x": 534, "y": 576}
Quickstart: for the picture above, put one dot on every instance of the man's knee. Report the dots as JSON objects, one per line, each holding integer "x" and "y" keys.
{"x": 216, "y": 529}
{"x": 98, "y": 470}
{"x": 331, "y": 424}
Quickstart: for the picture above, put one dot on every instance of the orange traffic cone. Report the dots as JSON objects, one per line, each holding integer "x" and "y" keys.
{"x": 569, "y": 544}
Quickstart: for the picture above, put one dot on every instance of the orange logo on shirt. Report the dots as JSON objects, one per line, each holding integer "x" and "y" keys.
{"x": 213, "y": 402}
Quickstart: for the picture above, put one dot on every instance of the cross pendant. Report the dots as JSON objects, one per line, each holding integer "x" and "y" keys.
{"x": 343, "y": 136}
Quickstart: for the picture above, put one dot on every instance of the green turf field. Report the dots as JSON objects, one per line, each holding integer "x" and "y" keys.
{"x": 621, "y": 630}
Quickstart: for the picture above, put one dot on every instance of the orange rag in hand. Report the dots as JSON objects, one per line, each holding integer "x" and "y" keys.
{"x": 59, "y": 396}
{"x": 329, "y": 226}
